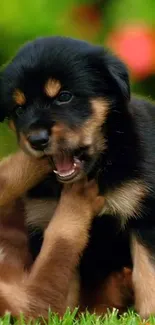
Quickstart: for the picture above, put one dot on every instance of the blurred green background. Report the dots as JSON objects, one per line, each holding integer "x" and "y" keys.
{"x": 126, "y": 26}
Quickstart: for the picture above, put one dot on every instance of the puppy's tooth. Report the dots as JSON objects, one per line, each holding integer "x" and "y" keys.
{"x": 67, "y": 173}
{"x": 55, "y": 171}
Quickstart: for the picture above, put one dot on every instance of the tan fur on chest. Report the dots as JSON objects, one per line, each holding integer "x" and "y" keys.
{"x": 125, "y": 201}
{"x": 39, "y": 212}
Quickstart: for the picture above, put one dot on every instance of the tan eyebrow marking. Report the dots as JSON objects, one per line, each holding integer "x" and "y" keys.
{"x": 52, "y": 87}
{"x": 19, "y": 97}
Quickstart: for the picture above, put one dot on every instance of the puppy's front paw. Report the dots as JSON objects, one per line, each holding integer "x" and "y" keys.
{"x": 83, "y": 197}
{"x": 78, "y": 204}
{"x": 146, "y": 308}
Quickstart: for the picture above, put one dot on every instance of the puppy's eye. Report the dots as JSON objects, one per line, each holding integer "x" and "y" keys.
{"x": 18, "y": 110}
{"x": 64, "y": 97}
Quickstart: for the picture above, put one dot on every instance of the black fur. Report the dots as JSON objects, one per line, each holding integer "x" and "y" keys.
{"x": 90, "y": 72}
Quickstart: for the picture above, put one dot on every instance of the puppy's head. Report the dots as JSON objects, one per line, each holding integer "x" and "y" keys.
{"x": 57, "y": 94}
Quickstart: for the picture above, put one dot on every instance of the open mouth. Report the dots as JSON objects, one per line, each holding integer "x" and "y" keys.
{"x": 68, "y": 166}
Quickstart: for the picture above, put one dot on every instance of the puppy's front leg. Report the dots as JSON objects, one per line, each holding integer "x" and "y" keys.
{"x": 143, "y": 242}
{"x": 65, "y": 239}
{"x": 18, "y": 173}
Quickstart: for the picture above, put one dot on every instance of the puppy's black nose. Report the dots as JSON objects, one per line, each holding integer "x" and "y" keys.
{"x": 39, "y": 139}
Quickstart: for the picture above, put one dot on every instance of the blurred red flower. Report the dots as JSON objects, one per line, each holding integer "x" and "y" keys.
{"x": 135, "y": 44}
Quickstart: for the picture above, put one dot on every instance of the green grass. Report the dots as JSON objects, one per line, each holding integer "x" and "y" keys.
{"x": 111, "y": 318}
{"x": 7, "y": 141}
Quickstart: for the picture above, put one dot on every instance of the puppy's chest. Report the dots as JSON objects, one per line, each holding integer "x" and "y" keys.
{"x": 39, "y": 212}
{"x": 41, "y": 202}
{"x": 123, "y": 202}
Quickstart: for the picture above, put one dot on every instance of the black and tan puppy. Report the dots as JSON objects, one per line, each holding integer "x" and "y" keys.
{"x": 70, "y": 100}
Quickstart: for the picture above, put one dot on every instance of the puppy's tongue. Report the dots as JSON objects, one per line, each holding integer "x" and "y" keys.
{"x": 64, "y": 164}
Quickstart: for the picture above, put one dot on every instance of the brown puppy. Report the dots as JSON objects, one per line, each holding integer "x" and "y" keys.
{"x": 65, "y": 238}
{"x": 20, "y": 286}
{"x": 51, "y": 279}
{"x": 18, "y": 173}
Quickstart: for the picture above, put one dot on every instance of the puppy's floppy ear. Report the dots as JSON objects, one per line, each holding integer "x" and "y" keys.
{"x": 119, "y": 73}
